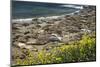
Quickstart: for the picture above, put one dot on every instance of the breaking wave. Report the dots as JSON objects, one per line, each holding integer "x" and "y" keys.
{"x": 72, "y": 6}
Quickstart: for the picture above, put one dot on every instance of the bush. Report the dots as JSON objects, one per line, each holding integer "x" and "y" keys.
{"x": 78, "y": 51}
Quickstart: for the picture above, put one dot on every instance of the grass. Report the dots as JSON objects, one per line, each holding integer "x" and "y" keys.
{"x": 78, "y": 51}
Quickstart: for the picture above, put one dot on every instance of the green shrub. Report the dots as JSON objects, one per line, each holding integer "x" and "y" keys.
{"x": 83, "y": 50}
{"x": 87, "y": 48}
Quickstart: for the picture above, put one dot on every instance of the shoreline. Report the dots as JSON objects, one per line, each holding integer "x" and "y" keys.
{"x": 28, "y": 20}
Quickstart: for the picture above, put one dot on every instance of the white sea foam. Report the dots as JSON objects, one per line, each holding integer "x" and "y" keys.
{"x": 73, "y": 6}
{"x": 28, "y": 20}
{"x": 22, "y": 20}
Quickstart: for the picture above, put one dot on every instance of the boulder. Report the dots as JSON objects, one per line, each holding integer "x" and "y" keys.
{"x": 85, "y": 30}
{"x": 71, "y": 37}
{"x": 22, "y": 39}
{"x": 31, "y": 42}
{"x": 43, "y": 24}
{"x": 21, "y": 45}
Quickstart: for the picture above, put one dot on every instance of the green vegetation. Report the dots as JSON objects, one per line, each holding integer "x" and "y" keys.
{"x": 78, "y": 51}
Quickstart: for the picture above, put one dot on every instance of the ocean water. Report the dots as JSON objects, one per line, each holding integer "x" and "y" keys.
{"x": 22, "y": 9}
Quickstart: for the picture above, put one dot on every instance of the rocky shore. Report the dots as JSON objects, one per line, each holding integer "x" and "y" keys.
{"x": 44, "y": 32}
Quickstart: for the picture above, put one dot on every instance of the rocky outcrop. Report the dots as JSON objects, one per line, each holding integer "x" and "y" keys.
{"x": 67, "y": 28}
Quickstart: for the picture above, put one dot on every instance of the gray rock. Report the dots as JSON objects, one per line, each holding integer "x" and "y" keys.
{"x": 54, "y": 38}
{"x": 31, "y": 42}
{"x": 22, "y": 39}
